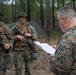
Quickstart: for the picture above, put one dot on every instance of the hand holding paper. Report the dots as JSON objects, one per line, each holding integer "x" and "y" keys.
{"x": 46, "y": 47}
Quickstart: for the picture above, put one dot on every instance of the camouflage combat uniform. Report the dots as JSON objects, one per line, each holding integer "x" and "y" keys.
{"x": 64, "y": 61}
{"x": 5, "y": 33}
{"x": 22, "y": 50}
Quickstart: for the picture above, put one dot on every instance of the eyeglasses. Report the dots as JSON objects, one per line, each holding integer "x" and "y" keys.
{"x": 59, "y": 19}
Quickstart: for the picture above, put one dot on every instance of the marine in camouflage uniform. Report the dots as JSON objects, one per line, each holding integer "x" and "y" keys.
{"x": 64, "y": 60}
{"x": 5, "y": 34}
{"x": 22, "y": 50}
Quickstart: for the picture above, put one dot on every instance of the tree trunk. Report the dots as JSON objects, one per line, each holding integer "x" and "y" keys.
{"x": 48, "y": 22}
{"x": 73, "y": 4}
{"x": 41, "y": 13}
{"x": 28, "y": 9}
{"x": 13, "y": 11}
{"x": 53, "y": 14}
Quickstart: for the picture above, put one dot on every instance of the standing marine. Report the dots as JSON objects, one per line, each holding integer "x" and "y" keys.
{"x": 21, "y": 49}
{"x": 5, "y": 47}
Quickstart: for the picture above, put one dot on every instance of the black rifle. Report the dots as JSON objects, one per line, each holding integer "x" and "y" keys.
{"x": 8, "y": 60}
{"x": 16, "y": 30}
{"x": 35, "y": 54}
{"x": 2, "y": 45}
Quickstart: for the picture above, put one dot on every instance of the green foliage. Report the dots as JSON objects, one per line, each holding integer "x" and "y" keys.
{"x": 34, "y": 9}
{"x": 21, "y": 5}
{"x": 12, "y": 11}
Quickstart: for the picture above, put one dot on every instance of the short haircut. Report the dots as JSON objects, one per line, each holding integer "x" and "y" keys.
{"x": 66, "y": 11}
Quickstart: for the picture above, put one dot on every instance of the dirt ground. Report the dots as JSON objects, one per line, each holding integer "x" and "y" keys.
{"x": 41, "y": 66}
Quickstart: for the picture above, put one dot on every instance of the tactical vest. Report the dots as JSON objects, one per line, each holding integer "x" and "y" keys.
{"x": 3, "y": 33}
{"x": 22, "y": 30}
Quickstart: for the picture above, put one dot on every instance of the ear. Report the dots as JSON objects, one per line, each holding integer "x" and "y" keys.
{"x": 65, "y": 19}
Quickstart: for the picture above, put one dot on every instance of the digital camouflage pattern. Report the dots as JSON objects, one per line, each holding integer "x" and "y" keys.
{"x": 22, "y": 50}
{"x": 64, "y": 61}
{"x": 5, "y": 33}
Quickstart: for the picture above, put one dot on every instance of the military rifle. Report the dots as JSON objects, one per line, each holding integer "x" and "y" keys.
{"x": 2, "y": 45}
{"x": 8, "y": 61}
{"x": 16, "y": 30}
{"x": 31, "y": 45}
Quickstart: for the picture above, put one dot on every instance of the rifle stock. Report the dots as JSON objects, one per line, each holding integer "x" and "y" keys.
{"x": 16, "y": 30}
{"x": 35, "y": 54}
{"x": 1, "y": 44}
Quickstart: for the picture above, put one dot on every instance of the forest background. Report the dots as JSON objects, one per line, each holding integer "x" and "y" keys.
{"x": 41, "y": 14}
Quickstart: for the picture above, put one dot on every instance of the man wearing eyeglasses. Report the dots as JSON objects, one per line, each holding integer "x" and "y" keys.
{"x": 64, "y": 60}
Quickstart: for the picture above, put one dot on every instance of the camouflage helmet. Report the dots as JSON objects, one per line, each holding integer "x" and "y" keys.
{"x": 22, "y": 14}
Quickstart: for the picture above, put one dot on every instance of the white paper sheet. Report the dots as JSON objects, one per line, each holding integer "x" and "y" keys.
{"x": 46, "y": 47}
